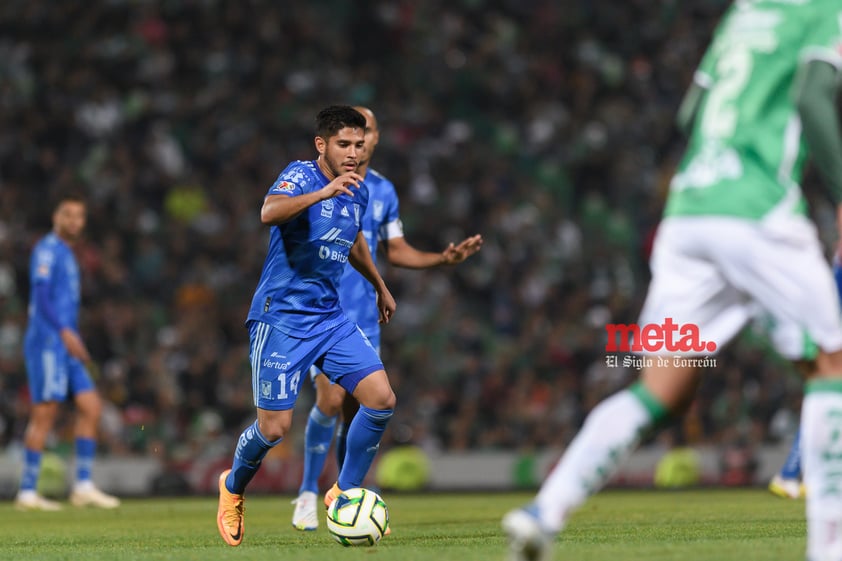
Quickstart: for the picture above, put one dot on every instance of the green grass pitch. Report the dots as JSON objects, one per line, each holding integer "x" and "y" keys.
{"x": 702, "y": 525}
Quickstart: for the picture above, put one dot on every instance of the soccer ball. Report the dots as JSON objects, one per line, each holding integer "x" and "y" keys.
{"x": 357, "y": 517}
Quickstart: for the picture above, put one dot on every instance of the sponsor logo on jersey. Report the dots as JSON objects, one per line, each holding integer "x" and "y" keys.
{"x": 284, "y": 187}
{"x": 276, "y": 364}
{"x": 345, "y": 212}
{"x": 332, "y": 235}
{"x": 331, "y": 254}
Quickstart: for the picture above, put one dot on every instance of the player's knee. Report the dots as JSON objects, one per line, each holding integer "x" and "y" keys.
{"x": 42, "y": 417}
{"x": 330, "y": 401}
{"x": 383, "y": 400}
{"x": 39, "y": 427}
{"x": 89, "y": 405}
{"x": 375, "y": 391}
{"x": 274, "y": 428}
{"x": 328, "y": 408}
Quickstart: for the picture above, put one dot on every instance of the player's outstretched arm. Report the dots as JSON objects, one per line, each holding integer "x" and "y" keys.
{"x": 360, "y": 258}
{"x": 815, "y": 97}
{"x": 278, "y": 209}
{"x": 401, "y": 254}
{"x": 454, "y": 254}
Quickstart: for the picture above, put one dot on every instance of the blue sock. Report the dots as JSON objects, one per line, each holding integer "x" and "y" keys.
{"x": 792, "y": 465}
{"x": 317, "y": 437}
{"x": 31, "y": 468}
{"x": 85, "y": 450}
{"x": 341, "y": 444}
{"x": 251, "y": 449}
{"x": 363, "y": 441}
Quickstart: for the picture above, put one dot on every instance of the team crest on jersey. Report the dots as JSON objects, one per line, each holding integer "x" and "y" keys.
{"x": 284, "y": 186}
{"x": 327, "y": 208}
{"x": 378, "y": 210}
{"x": 265, "y": 388}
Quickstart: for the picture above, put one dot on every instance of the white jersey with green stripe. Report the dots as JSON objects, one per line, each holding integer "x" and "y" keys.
{"x": 746, "y": 153}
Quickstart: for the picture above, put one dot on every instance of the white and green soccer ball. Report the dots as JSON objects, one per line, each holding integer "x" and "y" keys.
{"x": 357, "y": 516}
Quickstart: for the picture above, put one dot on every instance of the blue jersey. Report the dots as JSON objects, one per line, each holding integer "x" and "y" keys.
{"x": 298, "y": 288}
{"x": 54, "y": 265}
{"x": 381, "y": 221}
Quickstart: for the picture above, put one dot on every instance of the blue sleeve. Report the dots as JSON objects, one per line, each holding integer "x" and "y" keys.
{"x": 45, "y": 306}
{"x": 392, "y": 205}
{"x": 294, "y": 180}
{"x": 391, "y": 225}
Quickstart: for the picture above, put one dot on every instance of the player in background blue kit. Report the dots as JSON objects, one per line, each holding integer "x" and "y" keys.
{"x": 314, "y": 210}
{"x": 381, "y": 223}
{"x": 55, "y": 357}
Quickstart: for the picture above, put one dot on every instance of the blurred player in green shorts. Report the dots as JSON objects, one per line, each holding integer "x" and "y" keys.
{"x": 735, "y": 236}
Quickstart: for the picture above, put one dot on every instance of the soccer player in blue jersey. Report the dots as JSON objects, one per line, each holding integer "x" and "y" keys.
{"x": 314, "y": 210}
{"x": 55, "y": 357}
{"x": 381, "y": 223}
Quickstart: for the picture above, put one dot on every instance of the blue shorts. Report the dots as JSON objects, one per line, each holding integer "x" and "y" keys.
{"x": 278, "y": 361}
{"x": 373, "y": 335}
{"x": 315, "y": 370}
{"x": 53, "y": 374}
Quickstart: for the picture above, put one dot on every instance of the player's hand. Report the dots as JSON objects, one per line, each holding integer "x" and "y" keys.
{"x": 74, "y": 345}
{"x": 454, "y": 254}
{"x": 386, "y": 305}
{"x": 342, "y": 184}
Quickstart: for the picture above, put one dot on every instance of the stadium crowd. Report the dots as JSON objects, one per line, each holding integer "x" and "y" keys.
{"x": 547, "y": 126}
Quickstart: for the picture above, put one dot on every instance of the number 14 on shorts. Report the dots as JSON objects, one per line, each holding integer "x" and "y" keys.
{"x": 286, "y": 382}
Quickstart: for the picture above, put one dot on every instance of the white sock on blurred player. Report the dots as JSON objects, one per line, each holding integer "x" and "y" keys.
{"x": 821, "y": 437}
{"x": 611, "y": 432}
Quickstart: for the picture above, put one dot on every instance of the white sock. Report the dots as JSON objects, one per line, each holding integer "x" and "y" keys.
{"x": 821, "y": 448}
{"x": 83, "y": 486}
{"x": 610, "y": 433}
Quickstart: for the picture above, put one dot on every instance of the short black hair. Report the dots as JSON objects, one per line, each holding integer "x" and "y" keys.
{"x": 334, "y": 118}
{"x": 67, "y": 196}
